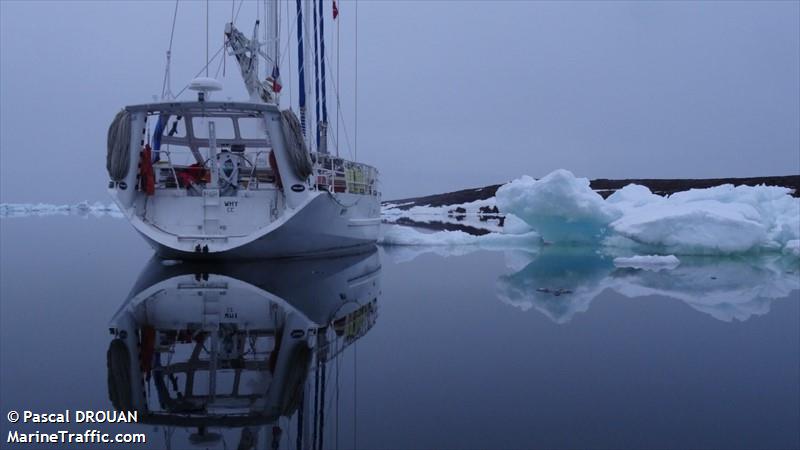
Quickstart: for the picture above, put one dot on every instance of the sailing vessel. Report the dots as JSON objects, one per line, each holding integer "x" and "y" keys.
{"x": 204, "y": 178}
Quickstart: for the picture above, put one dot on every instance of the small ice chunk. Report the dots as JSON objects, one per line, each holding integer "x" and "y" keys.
{"x": 648, "y": 262}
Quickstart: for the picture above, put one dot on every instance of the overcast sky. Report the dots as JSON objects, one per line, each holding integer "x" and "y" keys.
{"x": 451, "y": 94}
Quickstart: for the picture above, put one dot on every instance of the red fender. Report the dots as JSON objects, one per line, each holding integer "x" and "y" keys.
{"x": 146, "y": 173}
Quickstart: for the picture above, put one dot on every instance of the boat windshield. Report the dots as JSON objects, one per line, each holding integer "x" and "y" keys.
{"x": 180, "y": 138}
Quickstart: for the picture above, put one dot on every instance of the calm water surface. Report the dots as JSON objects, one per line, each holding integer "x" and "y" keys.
{"x": 398, "y": 347}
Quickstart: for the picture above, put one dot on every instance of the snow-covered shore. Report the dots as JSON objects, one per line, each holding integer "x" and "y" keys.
{"x": 564, "y": 210}
{"x": 97, "y": 209}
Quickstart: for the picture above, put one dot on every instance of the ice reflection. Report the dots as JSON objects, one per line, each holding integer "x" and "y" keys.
{"x": 220, "y": 355}
{"x": 559, "y": 282}
{"x": 562, "y": 282}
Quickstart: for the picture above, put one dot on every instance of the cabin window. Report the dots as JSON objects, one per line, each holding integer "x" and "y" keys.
{"x": 175, "y": 127}
{"x": 251, "y": 127}
{"x": 179, "y": 155}
{"x": 223, "y": 126}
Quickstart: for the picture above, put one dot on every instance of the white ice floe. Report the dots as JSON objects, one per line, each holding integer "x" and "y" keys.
{"x": 401, "y": 235}
{"x": 719, "y": 220}
{"x": 647, "y": 262}
{"x": 96, "y": 209}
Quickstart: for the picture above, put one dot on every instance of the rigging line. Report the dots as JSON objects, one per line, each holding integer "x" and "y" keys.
{"x": 207, "y": 38}
{"x": 289, "y": 52}
{"x": 286, "y": 46}
{"x": 224, "y": 55}
{"x": 356, "y": 88}
{"x": 355, "y": 393}
{"x": 344, "y": 124}
{"x": 265, "y": 23}
{"x": 300, "y": 408}
{"x": 316, "y": 404}
{"x": 338, "y": 360}
{"x": 174, "y": 17}
{"x": 221, "y": 63}
{"x": 164, "y": 87}
{"x": 338, "y": 105}
{"x": 241, "y": 2}
{"x": 322, "y": 408}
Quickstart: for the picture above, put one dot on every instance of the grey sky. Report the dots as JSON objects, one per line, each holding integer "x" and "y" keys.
{"x": 451, "y": 94}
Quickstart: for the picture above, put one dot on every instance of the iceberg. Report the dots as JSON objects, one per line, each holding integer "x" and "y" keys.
{"x": 719, "y": 220}
{"x": 561, "y": 207}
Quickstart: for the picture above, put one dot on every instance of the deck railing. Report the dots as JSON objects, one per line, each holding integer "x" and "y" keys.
{"x": 253, "y": 171}
{"x": 331, "y": 173}
{"x": 340, "y": 175}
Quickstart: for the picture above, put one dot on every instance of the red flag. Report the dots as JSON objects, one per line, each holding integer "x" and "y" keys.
{"x": 276, "y": 77}
{"x": 335, "y": 10}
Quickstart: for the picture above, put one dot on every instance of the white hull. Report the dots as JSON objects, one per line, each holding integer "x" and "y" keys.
{"x": 322, "y": 226}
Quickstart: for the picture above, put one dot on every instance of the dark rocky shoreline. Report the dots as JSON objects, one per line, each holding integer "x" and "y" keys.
{"x": 604, "y": 187}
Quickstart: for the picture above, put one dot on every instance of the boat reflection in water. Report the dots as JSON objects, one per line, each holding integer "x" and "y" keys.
{"x": 225, "y": 351}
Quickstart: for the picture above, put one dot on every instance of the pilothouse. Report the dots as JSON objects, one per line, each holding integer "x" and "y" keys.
{"x": 209, "y": 178}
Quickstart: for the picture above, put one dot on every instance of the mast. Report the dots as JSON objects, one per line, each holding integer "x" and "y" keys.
{"x": 247, "y": 53}
{"x": 323, "y": 124}
{"x": 301, "y": 67}
{"x": 316, "y": 74}
{"x": 272, "y": 45}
